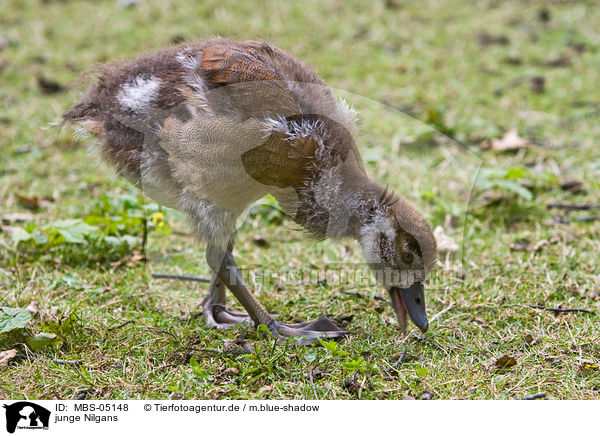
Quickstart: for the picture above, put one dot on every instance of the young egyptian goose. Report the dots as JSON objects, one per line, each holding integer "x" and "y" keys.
{"x": 208, "y": 128}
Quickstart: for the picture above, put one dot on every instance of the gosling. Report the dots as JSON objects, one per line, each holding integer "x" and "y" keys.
{"x": 207, "y": 128}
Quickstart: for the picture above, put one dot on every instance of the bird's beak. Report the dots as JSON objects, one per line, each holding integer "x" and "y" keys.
{"x": 412, "y": 301}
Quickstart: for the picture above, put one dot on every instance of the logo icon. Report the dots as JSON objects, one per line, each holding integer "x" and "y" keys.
{"x": 26, "y": 415}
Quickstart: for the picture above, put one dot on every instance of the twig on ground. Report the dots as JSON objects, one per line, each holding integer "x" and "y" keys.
{"x": 32, "y": 356}
{"x": 164, "y": 332}
{"x": 399, "y": 361}
{"x": 572, "y": 206}
{"x": 121, "y": 325}
{"x": 559, "y": 310}
{"x": 535, "y": 396}
{"x": 584, "y": 219}
{"x": 180, "y": 277}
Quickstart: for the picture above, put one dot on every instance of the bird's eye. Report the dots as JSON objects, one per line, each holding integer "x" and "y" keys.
{"x": 408, "y": 257}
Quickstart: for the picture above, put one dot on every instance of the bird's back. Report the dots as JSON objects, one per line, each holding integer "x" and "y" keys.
{"x": 224, "y": 121}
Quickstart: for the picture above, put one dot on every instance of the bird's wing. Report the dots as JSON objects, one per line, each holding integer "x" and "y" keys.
{"x": 243, "y": 76}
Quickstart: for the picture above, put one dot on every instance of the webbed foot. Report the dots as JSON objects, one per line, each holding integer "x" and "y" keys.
{"x": 308, "y": 332}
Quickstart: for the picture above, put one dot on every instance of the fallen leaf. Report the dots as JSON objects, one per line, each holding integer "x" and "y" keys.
{"x": 17, "y": 217}
{"x": 261, "y": 242}
{"x": 525, "y": 245}
{"x": 13, "y": 318}
{"x": 537, "y": 84}
{"x": 237, "y": 347}
{"x": 445, "y": 243}
{"x": 510, "y": 141}
{"x": 6, "y": 357}
{"x": 351, "y": 385}
{"x": 520, "y": 245}
{"x": 513, "y": 60}
{"x": 578, "y": 47}
{"x": 572, "y": 186}
{"x": 505, "y": 362}
{"x": 426, "y": 395}
{"x": 485, "y": 38}
{"x": 131, "y": 260}
{"x": 563, "y": 60}
{"x": 407, "y": 397}
{"x": 544, "y": 15}
{"x": 49, "y": 86}
{"x": 528, "y": 338}
{"x": 33, "y": 202}
{"x": 42, "y": 340}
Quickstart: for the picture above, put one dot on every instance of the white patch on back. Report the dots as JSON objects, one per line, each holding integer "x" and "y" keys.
{"x": 139, "y": 93}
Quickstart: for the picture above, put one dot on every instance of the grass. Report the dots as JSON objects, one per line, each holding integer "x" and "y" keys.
{"x": 414, "y": 63}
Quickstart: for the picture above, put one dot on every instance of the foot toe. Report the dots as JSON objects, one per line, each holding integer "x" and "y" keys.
{"x": 222, "y": 318}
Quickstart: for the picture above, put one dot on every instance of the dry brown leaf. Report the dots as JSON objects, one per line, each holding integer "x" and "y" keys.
{"x": 237, "y": 347}
{"x": 505, "y": 362}
{"x": 426, "y": 395}
{"x": 520, "y": 245}
{"x": 49, "y": 86}
{"x": 572, "y": 186}
{"x": 564, "y": 60}
{"x": 261, "y": 242}
{"x": 131, "y": 260}
{"x": 526, "y": 245}
{"x": 17, "y": 216}
{"x": 6, "y": 357}
{"x": 485, "y": 38}
{"x": 33, "y": 202}
{"x": 510, "y": 141}
{"x": 537, "y": 84}
{"x": 445, "y": 243}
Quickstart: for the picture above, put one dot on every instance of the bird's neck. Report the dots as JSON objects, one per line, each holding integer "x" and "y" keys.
{"x": 338, "y": 203}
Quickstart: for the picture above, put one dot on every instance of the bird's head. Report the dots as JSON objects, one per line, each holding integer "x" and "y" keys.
{"x": 400, "y": 248}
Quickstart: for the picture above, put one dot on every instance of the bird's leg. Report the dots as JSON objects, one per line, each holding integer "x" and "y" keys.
{"x": 214, "y": 309}
{"x": 222, "y": 261}
{"x": 215, "y": 312}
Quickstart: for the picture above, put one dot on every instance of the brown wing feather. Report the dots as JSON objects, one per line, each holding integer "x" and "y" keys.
{"x": 252, "y": 88}
{"x": 282, "y": 163}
